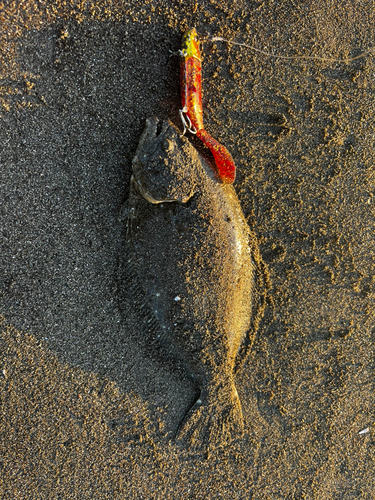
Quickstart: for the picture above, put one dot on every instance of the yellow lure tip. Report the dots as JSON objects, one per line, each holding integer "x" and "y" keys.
{"x": 190, "y": 44}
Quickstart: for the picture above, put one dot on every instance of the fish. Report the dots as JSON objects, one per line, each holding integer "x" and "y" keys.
{"x": 192, "y": 111}
{"x": 200, "y": 268}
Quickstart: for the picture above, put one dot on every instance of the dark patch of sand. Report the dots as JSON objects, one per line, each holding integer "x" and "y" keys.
{"x": 84, "y": 408}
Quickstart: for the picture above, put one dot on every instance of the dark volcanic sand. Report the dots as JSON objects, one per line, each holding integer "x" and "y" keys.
{"x": 84, "y": 405}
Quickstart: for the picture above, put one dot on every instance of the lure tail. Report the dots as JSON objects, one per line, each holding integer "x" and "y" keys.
{"x": 214, "y": 420}
{"x": 223, "y": 159}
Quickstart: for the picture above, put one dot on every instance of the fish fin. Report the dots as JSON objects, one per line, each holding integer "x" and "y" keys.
{"x": 213, "y": 421}
{"x": 133, "y": 289}
{"x": 259, "y": 295}
{"x": 154, "y": 339}
{"x": 124, "y": 212}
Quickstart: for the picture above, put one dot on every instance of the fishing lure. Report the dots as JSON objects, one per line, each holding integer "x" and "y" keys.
{"x": 192, "y": 114}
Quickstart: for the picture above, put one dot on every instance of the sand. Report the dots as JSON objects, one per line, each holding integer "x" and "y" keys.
{"x": 86, "y": 409}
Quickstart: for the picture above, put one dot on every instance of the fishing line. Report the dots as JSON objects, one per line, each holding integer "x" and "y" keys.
{"x": 278, "y": 56}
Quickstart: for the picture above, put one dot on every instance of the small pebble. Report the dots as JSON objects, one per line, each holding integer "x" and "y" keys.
{"x": 364, "y": 431}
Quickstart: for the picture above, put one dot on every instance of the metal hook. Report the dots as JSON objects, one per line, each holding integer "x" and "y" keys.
{"x": 186, "y": 122}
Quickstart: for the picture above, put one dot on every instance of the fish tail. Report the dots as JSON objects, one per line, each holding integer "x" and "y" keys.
{"x": 213, "y": 421}
{"x": 226, "y": 168}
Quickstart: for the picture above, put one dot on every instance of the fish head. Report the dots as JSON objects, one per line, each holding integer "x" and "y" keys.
{"x": 165, "y": 164}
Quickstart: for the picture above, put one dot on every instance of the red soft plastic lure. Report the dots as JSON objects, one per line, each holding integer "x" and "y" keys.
{"x": 192, "y": 114}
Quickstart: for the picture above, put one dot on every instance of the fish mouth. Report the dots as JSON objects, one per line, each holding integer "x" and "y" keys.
{"x": 154, "y": 128}
{"x": 146, "y": 195}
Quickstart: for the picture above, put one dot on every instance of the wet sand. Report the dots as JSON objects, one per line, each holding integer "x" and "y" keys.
{"x": 86, "y": 406}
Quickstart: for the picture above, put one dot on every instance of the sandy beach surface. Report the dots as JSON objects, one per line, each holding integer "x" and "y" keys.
{"x": 86, "y": 408}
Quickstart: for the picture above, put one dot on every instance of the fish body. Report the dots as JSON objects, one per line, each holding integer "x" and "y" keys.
{"x": 196, "y": 259}
{"x": 191, "y": 98}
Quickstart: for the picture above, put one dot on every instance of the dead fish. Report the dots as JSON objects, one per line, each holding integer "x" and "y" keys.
{"x": 199, "y": 265}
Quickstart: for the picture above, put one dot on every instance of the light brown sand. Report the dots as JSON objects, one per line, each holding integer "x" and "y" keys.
{"x": 84, "y": 406}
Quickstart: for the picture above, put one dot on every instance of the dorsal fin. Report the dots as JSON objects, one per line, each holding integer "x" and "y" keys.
{"x": 259, "y": 293}
{"x": 158, "y": 342}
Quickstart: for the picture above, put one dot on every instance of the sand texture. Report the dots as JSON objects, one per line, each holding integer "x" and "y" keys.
{"x": 86, "y": 407}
